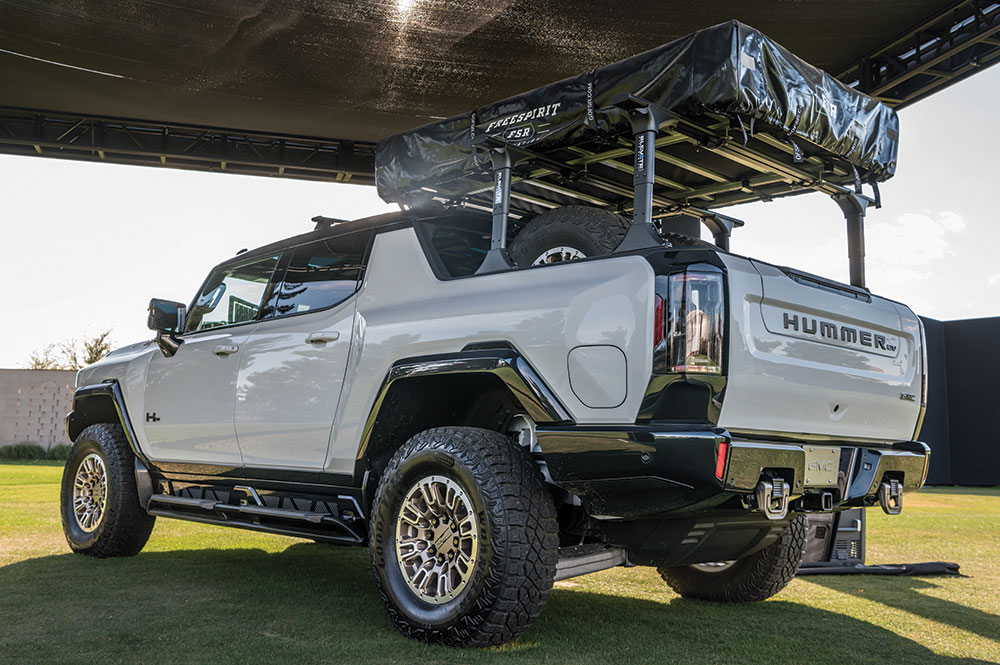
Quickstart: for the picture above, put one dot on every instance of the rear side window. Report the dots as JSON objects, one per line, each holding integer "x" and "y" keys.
{"x": 231, "y": 295}
{"x": 459, "y": 243}
{"x": 319, "y": 275}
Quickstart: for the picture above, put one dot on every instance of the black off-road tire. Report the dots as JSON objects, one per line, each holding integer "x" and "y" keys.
{"x": 756, "y": 577}
{"x": 591, "y": 231}
{"x": 124, "y": 527}
{"x": 513, "y": 574}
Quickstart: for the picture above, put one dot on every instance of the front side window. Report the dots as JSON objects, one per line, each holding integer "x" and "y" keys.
{"x": 320, "y": 274}
{"x": 232, "y": 295}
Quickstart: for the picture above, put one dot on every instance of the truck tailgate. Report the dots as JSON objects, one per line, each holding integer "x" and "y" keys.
{"x": 812, "y": 357}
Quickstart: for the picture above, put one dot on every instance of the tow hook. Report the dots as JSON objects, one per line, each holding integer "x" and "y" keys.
{"x": 772, "y": 498}
{"x": 890, "y": 497}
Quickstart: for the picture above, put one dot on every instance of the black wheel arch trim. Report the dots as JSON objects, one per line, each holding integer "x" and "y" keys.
{"x": 500, "y": 359}
{"x": 85, "y": 411}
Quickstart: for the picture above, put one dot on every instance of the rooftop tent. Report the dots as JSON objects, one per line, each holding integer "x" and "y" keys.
{"x": 741, "y": 119}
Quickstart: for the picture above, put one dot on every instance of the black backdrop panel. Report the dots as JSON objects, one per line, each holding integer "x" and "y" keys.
{"x": 972, "y": 350}
{"x": 963, "y": 414}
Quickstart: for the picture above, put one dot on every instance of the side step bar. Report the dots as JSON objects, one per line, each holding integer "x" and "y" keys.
{"x": 318, "y": 525}
{"x": 317, "y": 534}
{"x": 170, "y": 499}
{"x": 585, "y": 559}
{"x": 261, "y": 511}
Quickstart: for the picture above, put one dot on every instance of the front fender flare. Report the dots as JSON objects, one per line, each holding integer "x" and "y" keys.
{"x": 102, "y": 403}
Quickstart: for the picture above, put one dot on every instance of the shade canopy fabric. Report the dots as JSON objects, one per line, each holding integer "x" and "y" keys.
{"x": 364, "y": 69}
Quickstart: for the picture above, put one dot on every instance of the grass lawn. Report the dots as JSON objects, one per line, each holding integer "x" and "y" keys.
{"x": 203, "y": 594}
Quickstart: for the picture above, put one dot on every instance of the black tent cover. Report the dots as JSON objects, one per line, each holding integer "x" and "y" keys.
{"x": 729, "y": 69}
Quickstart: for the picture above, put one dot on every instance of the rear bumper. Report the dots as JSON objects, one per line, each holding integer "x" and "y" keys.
{"x": 664, "y": 471}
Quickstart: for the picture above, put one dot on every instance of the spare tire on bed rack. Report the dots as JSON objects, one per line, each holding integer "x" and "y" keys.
{"x": 576, "y": 232}
{"x": 567, "y": 233}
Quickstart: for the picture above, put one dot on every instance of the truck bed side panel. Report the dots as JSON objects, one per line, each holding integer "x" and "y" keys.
{"x": 545, "y": 312}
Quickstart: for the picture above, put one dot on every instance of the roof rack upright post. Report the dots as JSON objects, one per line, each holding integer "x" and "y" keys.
{"x": 721, "y": 227}
{"x": 854, "y": 206}
{"x": 646, "y": 119}
{"x": 497, "y": 258}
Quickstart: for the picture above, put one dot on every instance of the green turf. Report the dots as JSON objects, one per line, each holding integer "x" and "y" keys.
{"x": 202, "y": 594}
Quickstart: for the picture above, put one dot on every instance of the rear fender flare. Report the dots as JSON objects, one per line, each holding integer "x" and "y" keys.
{"x": 526, "y": 388}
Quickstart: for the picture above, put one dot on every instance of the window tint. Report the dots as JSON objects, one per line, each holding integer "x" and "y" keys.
{"x": 231, "y": 295}
{"x": 320, "y": 274}
{"x": 461, "y": 243}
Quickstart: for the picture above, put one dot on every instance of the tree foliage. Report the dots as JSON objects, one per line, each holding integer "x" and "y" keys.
{"x": 47, "y": 358}
{"x": 73, "y": 353}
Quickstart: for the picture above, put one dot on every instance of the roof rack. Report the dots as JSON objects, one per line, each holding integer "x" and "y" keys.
{"x": 647, "y": 138}
{"x": 327, "y": 222}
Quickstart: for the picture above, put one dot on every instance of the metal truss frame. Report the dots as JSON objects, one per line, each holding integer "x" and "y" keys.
{"x": 150, "y": 143}
{"x": 938, "y": 52}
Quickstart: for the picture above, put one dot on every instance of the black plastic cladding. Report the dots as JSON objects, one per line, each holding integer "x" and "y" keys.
{"x": 501, "y": 360}
{"x": 77, "y": 420}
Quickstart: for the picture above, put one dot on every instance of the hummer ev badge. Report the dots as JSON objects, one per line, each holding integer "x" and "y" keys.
{"x": 827, "y": 331}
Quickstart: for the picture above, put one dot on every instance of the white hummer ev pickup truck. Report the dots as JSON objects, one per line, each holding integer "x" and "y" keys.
{"x": 491, "y": 401}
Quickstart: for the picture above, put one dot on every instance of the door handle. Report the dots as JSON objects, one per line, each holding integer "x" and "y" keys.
{"x": 322, "y": 336}
{"x": 225, "y": 349}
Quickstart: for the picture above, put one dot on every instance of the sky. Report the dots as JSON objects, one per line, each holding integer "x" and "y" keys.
{"x": 85, "y": 246}
{"x": 934, "y": 243}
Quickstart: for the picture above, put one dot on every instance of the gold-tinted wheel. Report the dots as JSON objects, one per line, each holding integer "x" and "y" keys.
{"x": 90, "y": 492}
{"x": 558, "y": 255}
{"x": 437, "y": 539}
{"x": 464, "y": 537}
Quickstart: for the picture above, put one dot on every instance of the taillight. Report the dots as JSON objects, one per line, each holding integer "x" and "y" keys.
{"x": 695, "y": 321}
{"x": 720, "y": 461}
{"x": 658, "y": 322}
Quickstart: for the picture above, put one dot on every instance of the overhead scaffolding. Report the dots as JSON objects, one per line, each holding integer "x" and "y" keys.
{"x": 100, "y": 139}
{"x": 932, "y": 55}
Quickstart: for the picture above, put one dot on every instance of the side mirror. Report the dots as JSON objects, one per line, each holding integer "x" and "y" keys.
{"x": 166, "y": 316}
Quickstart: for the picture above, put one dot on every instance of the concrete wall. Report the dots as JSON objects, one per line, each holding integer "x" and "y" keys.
{"x": 34, "y": 404}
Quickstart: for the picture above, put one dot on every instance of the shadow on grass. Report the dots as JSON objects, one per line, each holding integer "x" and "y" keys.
{"x": 904, "y": 593}
{"x": 315, "y": 603}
